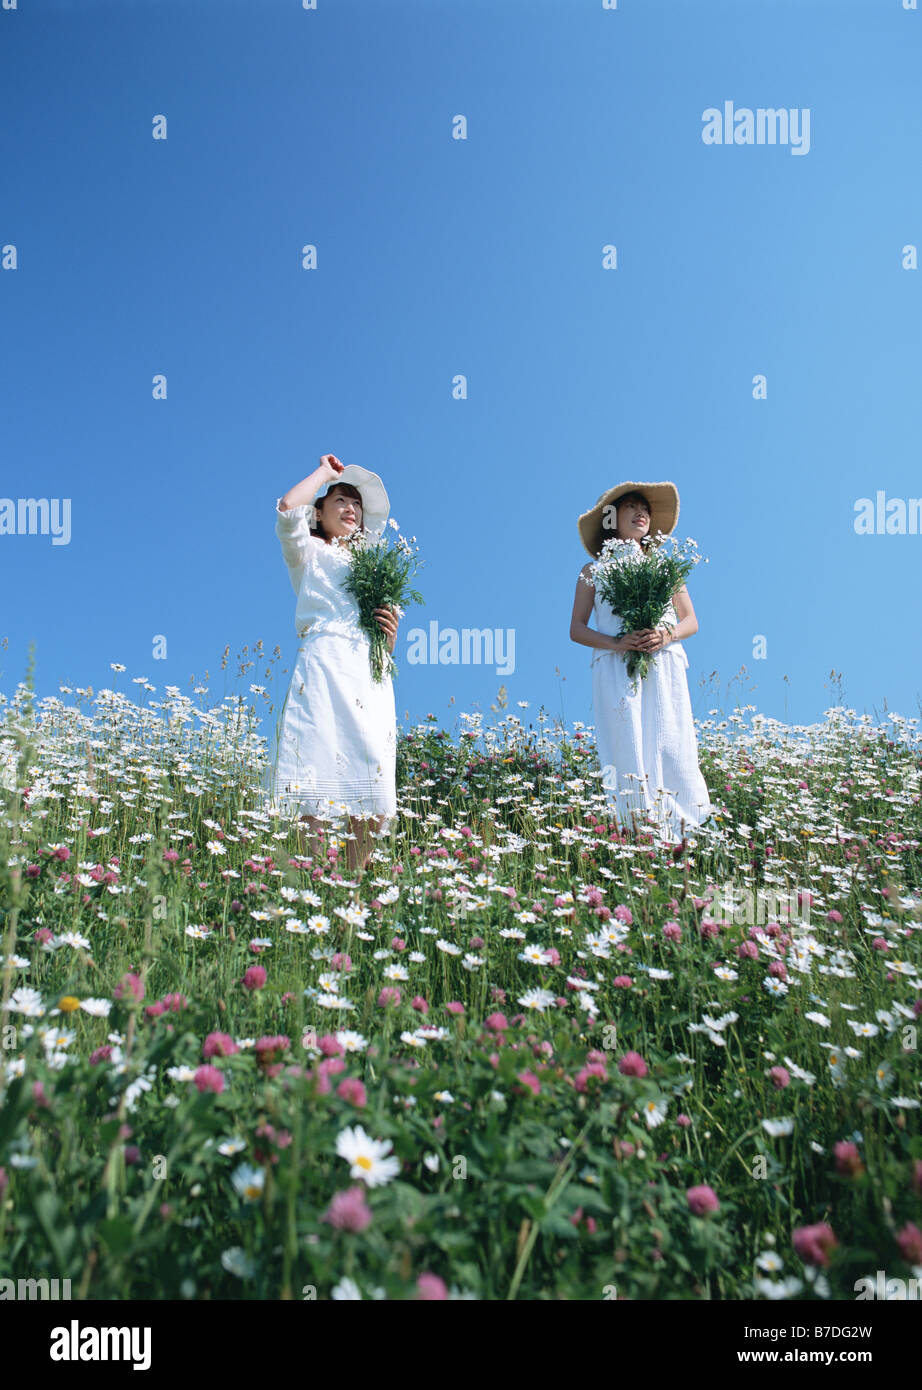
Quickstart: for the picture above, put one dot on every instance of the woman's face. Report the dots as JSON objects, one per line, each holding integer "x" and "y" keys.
{"x": 633, "y": 519}
{"x": 340, "y": 514}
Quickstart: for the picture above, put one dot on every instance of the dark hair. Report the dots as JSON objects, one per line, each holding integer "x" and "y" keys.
{"x": 347, "y": 490}
{"x": 648, "y": 540}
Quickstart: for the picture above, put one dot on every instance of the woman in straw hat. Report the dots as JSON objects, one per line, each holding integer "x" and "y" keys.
{"x": 647, "y": 746}
{"x": 336, "y": 739}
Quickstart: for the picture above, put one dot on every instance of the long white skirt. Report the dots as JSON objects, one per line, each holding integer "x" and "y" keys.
{"x": 335, "y": 741}
{"x": 647, "y": 746}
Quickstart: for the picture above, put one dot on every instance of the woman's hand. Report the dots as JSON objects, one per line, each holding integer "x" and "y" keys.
{"x": 629, "y": 642}
{"x": 387, "y": 617}
{"x": 652, "y": 639}
{"x": 331, "y": 467}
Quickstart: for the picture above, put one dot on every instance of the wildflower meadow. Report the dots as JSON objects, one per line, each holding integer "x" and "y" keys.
{"x": 525, "y": 1055}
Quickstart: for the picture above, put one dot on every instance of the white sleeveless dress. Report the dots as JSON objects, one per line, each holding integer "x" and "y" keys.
{"x": 648, "y": 749}
{"x": 333, "y": 751}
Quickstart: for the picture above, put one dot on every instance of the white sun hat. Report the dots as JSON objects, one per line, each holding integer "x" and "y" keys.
{"x": 375, "y": 502}
{"x": 596, "y": 525}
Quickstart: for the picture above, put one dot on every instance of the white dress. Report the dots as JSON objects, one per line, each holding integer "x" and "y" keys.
{"x": 335, "y": 742}
{"x": 648, "y": 750}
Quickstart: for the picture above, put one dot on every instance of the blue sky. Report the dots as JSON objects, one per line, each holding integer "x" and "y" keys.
{"x": 440, "y": 259}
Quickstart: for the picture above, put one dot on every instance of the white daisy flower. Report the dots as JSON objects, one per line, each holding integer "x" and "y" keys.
{"x": 346, "y": 1290}
{"x": 99, "y": 1008}
{"x": 535, "y": 955}
{"x": 539, "y": 999}
{"x": 655, "y": 1112}
{"x": 26, "y": 1001}
{"x": 777, "y": 1128}
{"x": 370, "y": 1159}
{"x": 248, "y": 1181}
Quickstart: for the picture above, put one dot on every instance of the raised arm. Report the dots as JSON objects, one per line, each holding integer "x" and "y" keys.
{"x": 304, "y": 492}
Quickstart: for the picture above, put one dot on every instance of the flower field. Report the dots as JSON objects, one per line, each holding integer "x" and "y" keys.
{"x": 521, "y": 1057}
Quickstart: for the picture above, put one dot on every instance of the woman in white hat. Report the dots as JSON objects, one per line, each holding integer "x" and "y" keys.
{"x": 336, "y": 741}
{"x": 648, "y": 750}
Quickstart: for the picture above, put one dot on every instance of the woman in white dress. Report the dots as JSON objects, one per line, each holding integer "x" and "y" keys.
{"x": 648, "y": 750}
{"x": 336, "y": 739}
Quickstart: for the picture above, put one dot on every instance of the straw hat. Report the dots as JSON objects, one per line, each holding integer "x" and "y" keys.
{"x": 375, "y": 503}
{"x": 664, "y": 513}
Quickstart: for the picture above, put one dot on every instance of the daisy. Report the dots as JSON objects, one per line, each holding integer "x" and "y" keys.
{"x": 723, "y": 972}
{"x": 539, "y": 999}
{"x": 248, "y": 1181}
{"x": 780, "y": 1288}
{"x": 198, "y": 931}
{"x": 352, "y": 1042}
{"x": 347, "y": 1289}
{"x": 655, "y": 1112}
{"x": 237, "y": 1261}
{"x": 798, "y": 1072}
{"x": 905, "y": 1102}
{"x": 448, "y": 947}
{"x": 318, "y": 924}
{"x": 353, "y": 915}
{"x": 228, "y": 1147}
{"x": 821, "y": 1019}
{"x": 775, "y": 987}
{"x": 863, "y": 1030}
{"x": 181, "y": 1073}
{"x": 99, "y": 1008}
{"x": 445, "y": 1097}
{"x": 536, "y": 955}
{"x": 771, "y": 1262}
{"x": 72, "y": 938}
{"x": 26, "y": 1001}
{"x": 368, "y": 1157}
{"x": 141, "y": 1083}
{"x": 718, "y": 1024}
{"x": 396, "y": 972}
{"x": 413, "y": 1039}
{"x": 776, "y": 1128}
{"x": 656, "y": 974}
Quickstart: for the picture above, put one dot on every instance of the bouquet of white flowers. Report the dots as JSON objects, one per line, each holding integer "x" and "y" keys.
{"x": 639, "y": 584}
{"x": 379, "y": 577}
